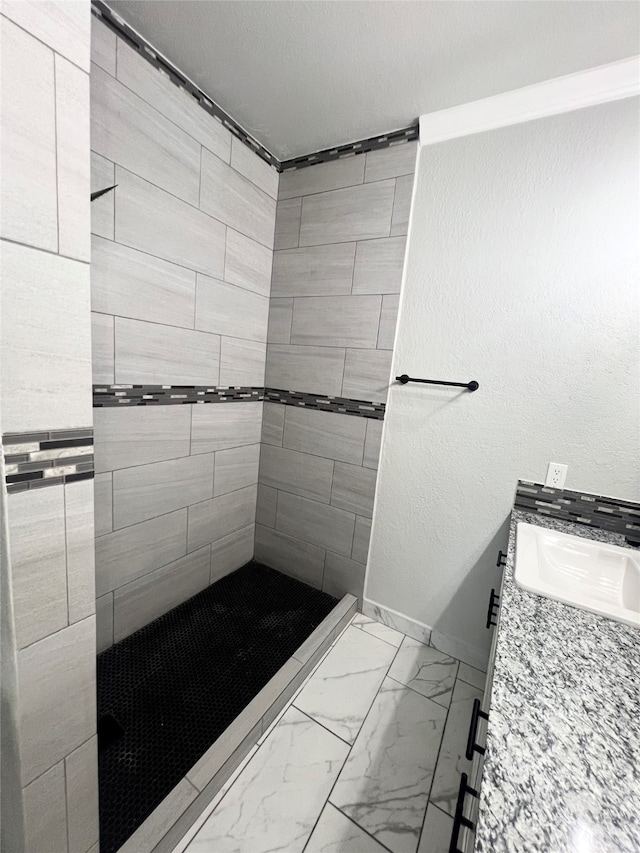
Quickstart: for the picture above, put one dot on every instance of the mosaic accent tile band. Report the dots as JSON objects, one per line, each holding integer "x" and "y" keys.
{"x": 168, "y": 395}
{"x": 148, "y": 52}
{"x": 34, "y": 460}
{"x": 605, "y": 513}
{"x": 171, "y": 395}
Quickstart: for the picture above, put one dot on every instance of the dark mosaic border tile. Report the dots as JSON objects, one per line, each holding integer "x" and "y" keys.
{"x": 148, "y": 52}
{"x": 34, "y": 460}
{"x": 338, "y": 152}
{"x": 604, "y": 513}
{"x": 320, "y": 402}
{"x": 171, "y": 395}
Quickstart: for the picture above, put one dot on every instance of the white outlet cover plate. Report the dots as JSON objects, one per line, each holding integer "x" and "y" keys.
{"x": 556, "y": 475}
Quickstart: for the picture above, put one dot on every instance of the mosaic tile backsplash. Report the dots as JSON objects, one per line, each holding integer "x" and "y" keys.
{"x": 37, "y": 459}
{"x": 598, "y": 511}
{"x": 168, "y": 395}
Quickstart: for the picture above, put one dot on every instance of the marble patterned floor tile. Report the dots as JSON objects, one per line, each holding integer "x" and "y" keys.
{"x": 378, "y": 629}
{"x": 426, "y": 670}
{"x": 341, "y": 691}
{"x": 276, "y": 800}
{"x": 385, "y": 782}
{"x": 452, "y": 761}
{"x": 472, "y": 675}
{"x": 335, "y": 833}
{"x": 436, "y": 832}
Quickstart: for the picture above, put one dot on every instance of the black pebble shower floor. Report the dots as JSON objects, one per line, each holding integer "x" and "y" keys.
{"x": 168, "y": 691}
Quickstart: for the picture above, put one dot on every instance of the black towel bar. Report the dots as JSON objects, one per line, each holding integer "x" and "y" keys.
{"x": 470, "y": 386}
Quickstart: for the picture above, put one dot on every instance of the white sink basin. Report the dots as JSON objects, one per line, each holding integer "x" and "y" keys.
{"x": 601, "y": 578}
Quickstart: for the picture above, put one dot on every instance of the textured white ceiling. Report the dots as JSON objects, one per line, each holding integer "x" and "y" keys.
{"x": 302, "y": 76}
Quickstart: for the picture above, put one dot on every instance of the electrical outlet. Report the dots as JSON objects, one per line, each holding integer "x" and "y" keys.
{"x": 556, "y": 475}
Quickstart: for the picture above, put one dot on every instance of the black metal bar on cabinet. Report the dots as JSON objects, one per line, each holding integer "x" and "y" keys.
{"x": 470, "y": 386}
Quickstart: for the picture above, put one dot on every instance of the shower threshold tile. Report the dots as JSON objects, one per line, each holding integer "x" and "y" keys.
{"x": 385, "y": 783}
{"x": 276, "y": 800}
{"x": 342, "y": 689}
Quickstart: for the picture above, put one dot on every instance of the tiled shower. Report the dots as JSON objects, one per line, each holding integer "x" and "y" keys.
{"x": 210, "y": 270}
{"x": 221, "y": 398}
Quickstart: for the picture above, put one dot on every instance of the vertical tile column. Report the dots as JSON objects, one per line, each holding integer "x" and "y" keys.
{"x": 45, "y": 385}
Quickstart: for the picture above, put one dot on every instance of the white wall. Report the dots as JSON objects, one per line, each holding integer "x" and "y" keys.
{"x": 521, "y": 273}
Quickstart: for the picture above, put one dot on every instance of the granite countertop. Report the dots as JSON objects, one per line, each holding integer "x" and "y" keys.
{"x": 562, "y": 763}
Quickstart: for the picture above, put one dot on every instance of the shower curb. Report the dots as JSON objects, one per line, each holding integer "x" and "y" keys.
{"x": 168, "y": 823}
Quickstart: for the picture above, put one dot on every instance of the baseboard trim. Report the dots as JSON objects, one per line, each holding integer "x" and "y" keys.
{"x": 425, "y": 634}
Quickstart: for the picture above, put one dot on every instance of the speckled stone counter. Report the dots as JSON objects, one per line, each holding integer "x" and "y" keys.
{"x": 562, "y": 764}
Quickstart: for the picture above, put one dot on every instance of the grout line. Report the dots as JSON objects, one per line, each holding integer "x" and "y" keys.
{"x": 52, "y": 634}
{"x": 39, "y": 249}
{"x": 361, "y": 828}
{"x": 66, "y": 549}
{"x": 417, "y": 692}
{"x": 347, "y": 186}
{"x": 318, "y": 723}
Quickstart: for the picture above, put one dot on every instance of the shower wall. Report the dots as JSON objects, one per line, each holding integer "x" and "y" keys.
{"x": 337, "y": 270}
{"x": 45, "y": 377}
{"x": 181, "y": 269}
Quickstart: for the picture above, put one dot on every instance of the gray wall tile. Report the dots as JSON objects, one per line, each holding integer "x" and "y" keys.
{"x": 235, "y": 469}
{"x": 178, "y": 106}
{"x": 104, "y": 622}
{"x": 103, "y": 46}
{"x": 266, "y": 506}
{"x": 233, "y": 199}
{"x": 253, "y": 167}
{"x": 102, "y": 348}
{"x": 317, "y": 370}
{"x": 218, "y": 426}
{"x": 134, "y": 284}
{"x": 43, "y": 366}
{"x": 129, "y": 553}
{"x": 342, "y": 576}
{"x": 388, "y": 319}
{"x": 125, "y": 129}
{"x": 391, "y": 162}
{"x": 313, "y": 270}
{"x": 366, "y": 374}
{"x": 242, "y": 362}
{"x": 154, "y": 594}
{"x": 339, "y": 321}
{"x": 147, "y": 491}
{"x": 324, "y": 176}
{"x": 287, "y": 223}
{"x": 103, "y": 175}
{"x": 156, "y": 222}
{"x": 28, "y": 168}
{"x": 56, "y": 684}
{"x": 165, "y": 355}
{"x": 372, "y": 444}
{"x": 298, "y": 473}
{"x": 231, "y": 552}
{"x": 273, "y": 424}
{"x": 139, "y": 435}
{"x": 289, "y": 555}
{"x": 81, "y": 770}
{"x": 230, "y": 310}
{"x": 211, "y": 520}
{"x": 402, "y": 205}
{"x": 324, "y": 434}
{"x": 378, "y": 267}
{"x": 353, "y": 488}
{"x": 103, "y": 503}
{"x": 45, "y": 812}
{"x": 280, "y": 316}
{"x": 361, "y": 538}
{"x": 36, "y": 534}
{"x": 80, "y": 547}
{"x": 72, "y": 145}
{"x": 64, "y": 27}
{"x": 324, "y": 526}
{"x": 340, "y": 216}
{"x": 247, "y": 263}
